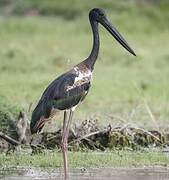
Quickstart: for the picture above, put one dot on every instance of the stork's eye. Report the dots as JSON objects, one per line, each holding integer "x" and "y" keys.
{"x": 101, "y": 14}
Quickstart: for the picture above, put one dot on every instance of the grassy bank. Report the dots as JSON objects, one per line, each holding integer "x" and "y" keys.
{"x": 91, "y": 159}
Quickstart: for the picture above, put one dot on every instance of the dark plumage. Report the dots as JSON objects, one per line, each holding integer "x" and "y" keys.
{"x": 63, "y": 93}
{"x": 70, "y": 88}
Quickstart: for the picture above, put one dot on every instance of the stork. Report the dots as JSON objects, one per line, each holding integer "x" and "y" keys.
{"x": 69, "y": 89}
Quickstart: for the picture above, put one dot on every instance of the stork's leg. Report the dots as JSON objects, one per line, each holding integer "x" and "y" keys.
{"x": 63, "y": 144}
{"x": 66, "y": 124}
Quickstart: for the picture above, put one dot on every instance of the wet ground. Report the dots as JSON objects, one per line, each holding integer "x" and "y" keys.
{"x": 147, "y": 173}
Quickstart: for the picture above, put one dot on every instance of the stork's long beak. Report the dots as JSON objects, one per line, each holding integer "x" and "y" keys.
{"x": 113, "y": 31}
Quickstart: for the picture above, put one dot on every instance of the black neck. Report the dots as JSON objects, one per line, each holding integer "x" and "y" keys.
{"x": 90, "y": 61}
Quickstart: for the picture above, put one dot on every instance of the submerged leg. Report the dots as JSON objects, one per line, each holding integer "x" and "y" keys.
{"x": 66, "y": 124}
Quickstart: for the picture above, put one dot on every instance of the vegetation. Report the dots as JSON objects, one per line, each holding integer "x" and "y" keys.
{"x": 90, "y": 159}
{"x": 41, "y": 39}
{"x": 7, "y": 111}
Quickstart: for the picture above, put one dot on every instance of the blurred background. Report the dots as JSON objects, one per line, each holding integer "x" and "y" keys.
{"x": 40, "y": 39}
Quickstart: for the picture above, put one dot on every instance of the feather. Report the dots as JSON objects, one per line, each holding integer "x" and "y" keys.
{"x": 63, "y": 93}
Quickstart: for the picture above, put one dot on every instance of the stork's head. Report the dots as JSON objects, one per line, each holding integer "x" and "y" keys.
{"x": 98, "y": 15}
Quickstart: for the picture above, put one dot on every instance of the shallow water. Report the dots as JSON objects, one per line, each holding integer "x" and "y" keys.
{"x": 148, "y": 173}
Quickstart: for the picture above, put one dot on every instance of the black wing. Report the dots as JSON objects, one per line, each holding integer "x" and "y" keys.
{"x": 61, "y": 94}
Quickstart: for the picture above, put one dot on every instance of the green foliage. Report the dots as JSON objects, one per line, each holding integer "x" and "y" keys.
{"x": 74, "y": 8}
{"x": 7, "y": 113}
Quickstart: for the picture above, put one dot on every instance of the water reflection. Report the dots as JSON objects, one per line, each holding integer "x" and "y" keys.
{"x": 153, "y": 173}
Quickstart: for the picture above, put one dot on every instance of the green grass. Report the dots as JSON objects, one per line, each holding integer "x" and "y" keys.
{"x": 35, "y": 50}
{"x": 91, "y": 159}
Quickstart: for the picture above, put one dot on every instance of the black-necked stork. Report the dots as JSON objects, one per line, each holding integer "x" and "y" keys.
{"x": 69, "y": 89}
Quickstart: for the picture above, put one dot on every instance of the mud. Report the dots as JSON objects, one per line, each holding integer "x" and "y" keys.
{"x": 147, "y": 173}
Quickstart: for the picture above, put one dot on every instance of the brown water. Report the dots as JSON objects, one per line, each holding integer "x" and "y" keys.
{"x": 148, "y": 173}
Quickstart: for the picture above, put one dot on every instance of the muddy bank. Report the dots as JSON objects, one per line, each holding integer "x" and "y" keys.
{"x": 88, "y": 135}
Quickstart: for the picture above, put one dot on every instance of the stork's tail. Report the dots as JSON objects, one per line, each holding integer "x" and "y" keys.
{"x": 41, "y": 114}
{"x": 38, "y": 118}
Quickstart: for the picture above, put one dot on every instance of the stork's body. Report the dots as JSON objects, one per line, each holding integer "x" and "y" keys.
{"x": 69, "y": 89}
{"x": 63, "y": 93}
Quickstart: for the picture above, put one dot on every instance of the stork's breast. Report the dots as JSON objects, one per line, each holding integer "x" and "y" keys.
{"x": 83, "y": 77}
